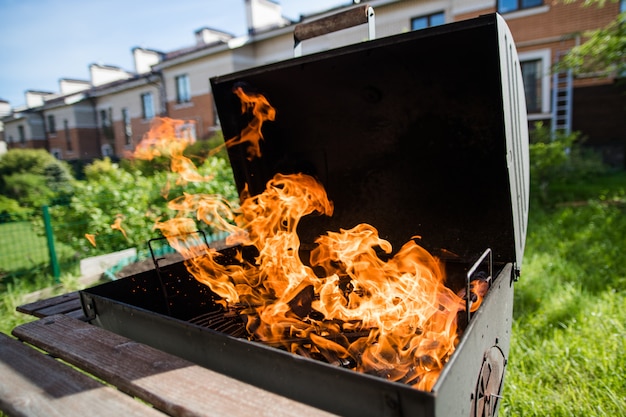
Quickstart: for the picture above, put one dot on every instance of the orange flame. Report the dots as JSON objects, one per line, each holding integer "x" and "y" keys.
{"x": 341, "y": 301}
{"x": 261, "y": 111}
{"x": 117, "y": 224}
{"x": 170, "y": 137}
{"x": 91, "y": 238}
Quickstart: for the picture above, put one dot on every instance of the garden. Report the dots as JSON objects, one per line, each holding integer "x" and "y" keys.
{"x": 568, "y": 350}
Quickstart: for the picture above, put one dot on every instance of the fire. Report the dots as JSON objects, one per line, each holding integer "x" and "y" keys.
{"x": 91, "y": 238}
{"x": 170, "y": 137}
{"x": 117, "y": 224}
{"x": 348, "y": 300}
{"x": 261, "y": 111}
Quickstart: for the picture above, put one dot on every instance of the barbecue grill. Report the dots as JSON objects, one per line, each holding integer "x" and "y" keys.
{"x": 422, "y": 133}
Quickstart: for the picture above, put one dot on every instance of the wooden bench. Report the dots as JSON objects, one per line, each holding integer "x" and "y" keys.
{"x": 67, "y": 304}
{"x": 78, "y": 369}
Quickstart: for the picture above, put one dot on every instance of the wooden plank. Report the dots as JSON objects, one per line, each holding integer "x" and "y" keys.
{"x": 65, "y": 307}
{"x": 170, "y": 383}
{"x": 77, "y": 315}
{"x": 34, "y": 308}
{"x": 34, "y": 384}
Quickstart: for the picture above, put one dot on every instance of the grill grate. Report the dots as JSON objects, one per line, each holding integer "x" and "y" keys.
{"x": 225, "y": 321}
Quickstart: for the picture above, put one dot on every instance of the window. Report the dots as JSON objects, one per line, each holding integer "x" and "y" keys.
{"x": 107, "y": 150}
{"x": 186, "y": 131}
{"x": 106, "y": 123}
{"x": 147, "y": 105}
{"x": 52, "y": 126}
{"x": 183, "y": 92}
{"x": 128, "y": 129}
{"x": 216, "y": 117}
{"x": 531, "y": 73}
{"x": 427, "y": 21}
{"x": 68, "y": 139}
{"x": 21, "y": 134}
{"x": 506, "y": 6}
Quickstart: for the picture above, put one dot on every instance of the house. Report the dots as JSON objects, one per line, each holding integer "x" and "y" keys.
{"x": 109, "y": 114}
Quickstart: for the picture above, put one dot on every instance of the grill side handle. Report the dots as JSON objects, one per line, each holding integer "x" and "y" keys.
{"x": 333, "y": 23}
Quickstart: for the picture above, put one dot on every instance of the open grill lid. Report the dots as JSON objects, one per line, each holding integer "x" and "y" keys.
{"x": 419, "y": 134}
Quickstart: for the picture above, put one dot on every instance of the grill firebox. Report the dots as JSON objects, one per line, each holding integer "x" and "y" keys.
{"x": 418, "y": 134}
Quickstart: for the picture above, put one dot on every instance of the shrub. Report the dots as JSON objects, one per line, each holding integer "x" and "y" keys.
{"x": 11, "y": 211}
{"x": 111, "y": 194}
{"x": 33, "y": 177}
{"x": 559, "y": 157}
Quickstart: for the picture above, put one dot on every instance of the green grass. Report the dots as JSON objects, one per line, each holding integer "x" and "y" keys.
{"x": 24, "y": 252}
{"x": 568, "y": 353}
{"x": 20, "y": 239}
{"x": 20, "y": 292}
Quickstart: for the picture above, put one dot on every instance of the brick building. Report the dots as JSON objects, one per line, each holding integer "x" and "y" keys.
{"x": 109, "y": 114}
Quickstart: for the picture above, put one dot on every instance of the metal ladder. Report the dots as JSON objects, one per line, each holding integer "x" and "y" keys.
{"x": 562, "y": 91}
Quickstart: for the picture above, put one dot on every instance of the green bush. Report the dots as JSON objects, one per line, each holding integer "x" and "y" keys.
{"x": 33, "y": 177}
{"x": 559, "y": 157}
{"x": 198, "y": 152}
{"x": 111, "y": 193}
{"x": 11, "y": 211}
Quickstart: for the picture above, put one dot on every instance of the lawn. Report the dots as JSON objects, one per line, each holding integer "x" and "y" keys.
{"x": 21, "y": 247}
{"x": 568, "y": 352}
{"x": 24, "y": 252}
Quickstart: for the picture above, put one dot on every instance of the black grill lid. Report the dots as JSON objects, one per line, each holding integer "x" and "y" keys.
{"x": 422, "y": 133}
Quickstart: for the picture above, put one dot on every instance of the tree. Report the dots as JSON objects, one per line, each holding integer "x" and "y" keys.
{"x": 33, "y": 177}
{"x": 604, "y": 51}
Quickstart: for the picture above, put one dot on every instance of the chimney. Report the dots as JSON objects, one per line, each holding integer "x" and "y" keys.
{"x": 36, "y": 98}
{"x": 207, "y": 36}
{"x": 5, "y": 108}
{"x": 104, "y": 74}
{"x": 145, "y": 59}
{"x": 263, "y": 15}
{"x": 69, "y": 86}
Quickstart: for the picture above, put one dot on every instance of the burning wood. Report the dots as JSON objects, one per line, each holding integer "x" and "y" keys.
{"x": 341, "y": 301}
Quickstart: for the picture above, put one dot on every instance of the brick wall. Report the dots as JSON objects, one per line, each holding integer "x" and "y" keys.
{"x": 85, "y": 143}
{"x": 199, "y": 109}
{"x": 561, "y": 19}
{"x": 599, "y": 112}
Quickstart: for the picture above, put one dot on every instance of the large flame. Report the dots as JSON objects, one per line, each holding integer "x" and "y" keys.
{"x": 343, "y": 301}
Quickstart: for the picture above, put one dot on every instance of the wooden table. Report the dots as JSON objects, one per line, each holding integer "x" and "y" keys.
{"x": 60, "y": 365}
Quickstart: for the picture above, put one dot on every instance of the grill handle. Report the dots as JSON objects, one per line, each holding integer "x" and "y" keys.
{"x": 333, "y": 23}
{"x": 487, "y": 256}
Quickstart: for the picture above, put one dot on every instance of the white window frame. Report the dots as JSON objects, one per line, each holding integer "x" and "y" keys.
{"x": 127, "y": 126}
{"x": 57, "y": 153}
{"x": 107, "y": 150}
{"x": 428, "y": 17}
{"x": 545, "y": 56}
{"x": 186, "y": 131}
{"x": 51, "y": 124}
{"x": 183, "y": 88}
{"x": 148, "y": 113}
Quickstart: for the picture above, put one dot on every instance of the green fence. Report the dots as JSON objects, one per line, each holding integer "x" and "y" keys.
{"x": 30, "y": 249}
{"x": 24, "y": 249}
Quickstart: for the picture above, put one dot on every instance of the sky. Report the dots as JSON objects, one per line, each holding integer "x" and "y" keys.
{"x": 42, "y": 41}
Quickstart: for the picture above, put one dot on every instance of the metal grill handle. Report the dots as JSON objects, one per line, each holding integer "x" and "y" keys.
{"x": 487, "y": 254}
{"x": 344, "y": 20}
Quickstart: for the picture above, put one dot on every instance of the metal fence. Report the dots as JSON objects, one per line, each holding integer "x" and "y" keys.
{"x": 27, "y": 247}
{"x": 30, "y": 248}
